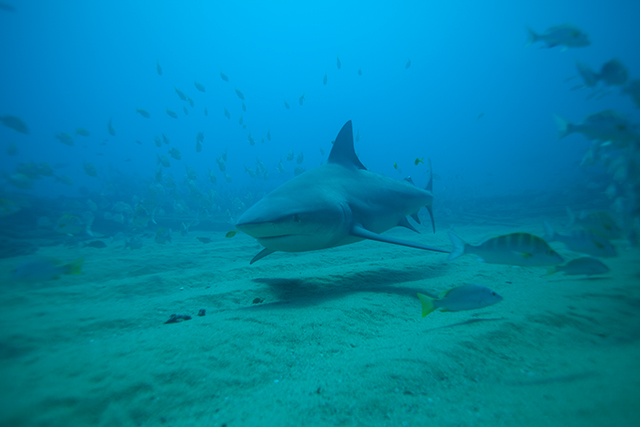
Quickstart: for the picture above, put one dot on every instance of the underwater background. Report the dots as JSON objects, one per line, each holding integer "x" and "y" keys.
{"x": 135, "y": 134}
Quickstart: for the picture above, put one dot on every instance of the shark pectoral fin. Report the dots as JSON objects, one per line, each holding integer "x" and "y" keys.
{"x": 263, "y": 253}
{"x": 363, "y": 233}
{"x": 404, "y": 222}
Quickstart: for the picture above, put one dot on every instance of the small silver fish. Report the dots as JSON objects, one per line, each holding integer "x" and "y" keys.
{"x": 564, "y": 35}
{"x": 588, "y": 242}
{"x": 465, "y": 297}
{"x": 584, "y": 265}
{"x": 43, "y": 269}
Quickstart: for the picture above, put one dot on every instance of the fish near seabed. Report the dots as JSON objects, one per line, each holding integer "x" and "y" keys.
{"x": 335, "y": 204}
{"x": 460, "y": 298}
{"x": 522, "y": 249}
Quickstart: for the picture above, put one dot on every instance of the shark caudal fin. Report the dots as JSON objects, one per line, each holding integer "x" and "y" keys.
{"x": 343, "y": 152}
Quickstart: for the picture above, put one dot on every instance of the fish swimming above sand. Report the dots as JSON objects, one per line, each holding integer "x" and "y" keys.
{"x": 614, "y": 73}
{"x": 607, "y": 125}
{"x": 335, "y": 204}
{"x": 199, "y": 86}
{"x": 240, "y": 95}
{"x": 583, "y": 241}
{"x": 567, "y": 36}
{"x": 65, "y": 138}
{"x": 15, "y": 123}
{"x": 461, "y": 298}
{"x": 90, "y": 169}
{"x": 110, "y": 129}
{"x": 43, "y": 269}
{"x": 172, "y": 114}
{"x": 522, "y": 249}
{"x": 224, "y": 77}
{"x": 71, "y": 225}
{"x": 181, "y": 94}
{"x": 143, "y": 113}
{"x": 600, "y": 222}
{"x": 175, "y": 153}
{"x": 632, "y": 89}
{"x": 163, "y": 160}
{"x": 589, "y": 77}
{"x": 580, "y": 266}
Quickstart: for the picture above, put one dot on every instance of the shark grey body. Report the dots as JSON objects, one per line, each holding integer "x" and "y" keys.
{"x": 335, "y": 204}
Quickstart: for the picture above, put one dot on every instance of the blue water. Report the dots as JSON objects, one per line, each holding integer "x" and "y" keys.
{"x": 475, "y": 101}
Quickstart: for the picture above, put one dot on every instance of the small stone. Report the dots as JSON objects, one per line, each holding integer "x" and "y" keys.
{"x": 258, "y": 300}
{"x": 201, "y": 312}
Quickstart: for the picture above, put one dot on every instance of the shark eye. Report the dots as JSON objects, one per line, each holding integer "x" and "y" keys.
{"x": 550, "y": 252}
{"x": 493, "y": 294}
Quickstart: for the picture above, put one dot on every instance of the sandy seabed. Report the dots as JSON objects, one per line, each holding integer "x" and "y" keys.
{"x": 337, "y": 340}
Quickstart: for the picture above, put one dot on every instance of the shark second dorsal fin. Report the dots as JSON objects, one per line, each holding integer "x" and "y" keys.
{"x": 342, "y": 151}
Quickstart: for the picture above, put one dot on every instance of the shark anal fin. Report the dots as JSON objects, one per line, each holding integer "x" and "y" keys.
{"x": 416, "y": 218}
{"x": 404, "y": 222}
{"x": 363, "y": 233}
{"x": 263, "y": 253}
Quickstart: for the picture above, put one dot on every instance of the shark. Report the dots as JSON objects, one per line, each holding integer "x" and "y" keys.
{"x": 335, "y": 204}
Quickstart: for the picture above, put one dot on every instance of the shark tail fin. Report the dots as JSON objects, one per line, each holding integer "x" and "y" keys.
{"x": 459, "y": 246}
{"x": 427, "y": 304}
{"x": 429, "y": 188}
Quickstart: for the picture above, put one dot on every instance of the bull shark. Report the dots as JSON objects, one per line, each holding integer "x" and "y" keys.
{"x": 335, "y": 204}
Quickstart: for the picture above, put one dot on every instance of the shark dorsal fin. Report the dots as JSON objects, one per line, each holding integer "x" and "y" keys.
{"x": 342, "y": 151}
